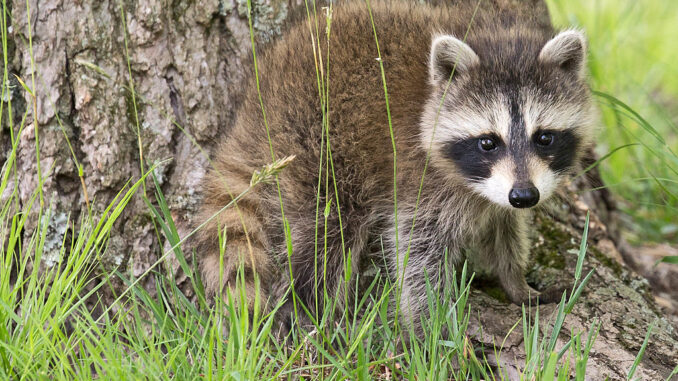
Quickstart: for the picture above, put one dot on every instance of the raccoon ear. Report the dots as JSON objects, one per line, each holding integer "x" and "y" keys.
{"x": 449, "y": 56}
{"x": 567, "y": 50}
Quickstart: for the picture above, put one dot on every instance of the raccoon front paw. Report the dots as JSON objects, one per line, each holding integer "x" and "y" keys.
{"x": 528, "y": 295}
{"x": 286, "y": 321}
{"x": 553, "y": 294}
{"x": 523, "y": 295}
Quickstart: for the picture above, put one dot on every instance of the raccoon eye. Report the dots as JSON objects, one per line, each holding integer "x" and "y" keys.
{"x": 487, "y": 144}
{"x": 545, "y": 139}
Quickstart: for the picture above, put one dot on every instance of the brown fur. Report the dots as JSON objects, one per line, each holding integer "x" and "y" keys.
{"x": 449, "y": 217}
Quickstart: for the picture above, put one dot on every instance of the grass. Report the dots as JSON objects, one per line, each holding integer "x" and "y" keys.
{"x": 54, "y": 326}
{"x": 50, "y": 332}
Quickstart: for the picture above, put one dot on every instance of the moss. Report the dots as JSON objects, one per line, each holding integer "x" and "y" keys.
{"x": 496, "y": 293}
{"x": 607, "y": 261}
{"x": 490, "y": 286}
{"x": 550, "y": 245}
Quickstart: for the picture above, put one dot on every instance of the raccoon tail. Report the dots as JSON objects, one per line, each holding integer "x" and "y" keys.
{"x": 232, "y": 212}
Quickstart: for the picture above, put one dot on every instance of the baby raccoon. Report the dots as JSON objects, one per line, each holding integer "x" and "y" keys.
{"x": 493, "y": 100}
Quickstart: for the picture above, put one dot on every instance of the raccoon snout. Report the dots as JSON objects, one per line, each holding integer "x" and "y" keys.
{"x": 524, "y": 196}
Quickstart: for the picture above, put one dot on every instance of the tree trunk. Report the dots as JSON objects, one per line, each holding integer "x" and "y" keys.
{"x": 184, "y": 58}
{"x": 185, "y": 62}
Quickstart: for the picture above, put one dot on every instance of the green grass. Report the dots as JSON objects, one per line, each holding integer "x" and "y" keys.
{"x": 49, "y": 332}
{"x": 53, "y": 326}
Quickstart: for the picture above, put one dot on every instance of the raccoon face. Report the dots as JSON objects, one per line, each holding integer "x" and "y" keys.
{"x": 510, "y": 116}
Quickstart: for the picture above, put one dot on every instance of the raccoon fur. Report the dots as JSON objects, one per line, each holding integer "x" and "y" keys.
{"x": 492, "y": 102}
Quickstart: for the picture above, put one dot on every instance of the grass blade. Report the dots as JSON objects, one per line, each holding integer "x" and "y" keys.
{"x": 641, "y": 352}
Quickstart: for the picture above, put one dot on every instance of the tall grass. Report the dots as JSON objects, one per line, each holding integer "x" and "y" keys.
{"x": 49, "y": 330}
{"x": 53, "y": 326}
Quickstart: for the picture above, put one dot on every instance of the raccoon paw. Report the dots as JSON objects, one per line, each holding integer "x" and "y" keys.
{"x": 523, "y": 294}
{"x": 550, "y": 295}
{"x": 553, "y": 294}
{"x": 286, "y": 322}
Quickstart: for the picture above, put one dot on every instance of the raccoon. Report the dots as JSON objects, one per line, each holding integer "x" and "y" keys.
{"x": 491, "y": 104}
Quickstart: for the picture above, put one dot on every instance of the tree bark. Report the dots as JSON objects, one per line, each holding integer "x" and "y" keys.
{"x": 183, "y": 59}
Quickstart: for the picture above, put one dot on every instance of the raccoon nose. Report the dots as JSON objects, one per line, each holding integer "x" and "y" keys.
{"x": 524, "y": 197}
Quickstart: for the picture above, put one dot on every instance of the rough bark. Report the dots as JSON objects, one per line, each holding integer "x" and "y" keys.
{"x": 185, "y": 61}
